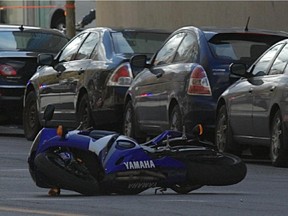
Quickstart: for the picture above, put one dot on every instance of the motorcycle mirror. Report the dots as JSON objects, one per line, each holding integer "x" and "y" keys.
{"x": 197, "y": 130}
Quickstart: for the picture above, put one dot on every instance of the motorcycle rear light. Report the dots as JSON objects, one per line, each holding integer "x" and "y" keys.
{"x": 122, "y": 76}
{"x": 199, "y": 83}
{"x": 7, "y": 70}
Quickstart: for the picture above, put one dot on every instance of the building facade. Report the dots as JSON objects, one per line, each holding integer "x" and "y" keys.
{"x": 174, "y": 14}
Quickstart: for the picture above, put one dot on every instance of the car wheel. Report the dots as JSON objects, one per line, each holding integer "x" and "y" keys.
{"x": 31, "y": 123}
{"x": 84, "y": 116}
{"x": 223, "y": 134}
{"x": 278, "y": 136}
{"x": 129, "y": 121}
{"x": 175, "y": 120}
{"x": 130, "y": 127}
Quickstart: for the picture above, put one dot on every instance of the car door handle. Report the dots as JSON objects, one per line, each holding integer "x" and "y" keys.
{"x": 81, "y": 71}
{"x": 272, "y": 88}
{"x": 160, "y": 74}
{"x": 250, "y": 90}
{"x": 59, "y": 73}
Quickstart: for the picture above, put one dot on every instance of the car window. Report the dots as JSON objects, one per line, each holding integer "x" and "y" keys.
{"x": 71, "y": 49}
{"x": 88, "y": 46}
{"x": 280, "y": 62}
{"x": 138, "y": 42}
{"x": 262, "y": 65}
{"x": 188, "y": 49}
{"x": 31, "y": 41}
{"x": 167, "y": 52}
{"x": 243, "y": 47}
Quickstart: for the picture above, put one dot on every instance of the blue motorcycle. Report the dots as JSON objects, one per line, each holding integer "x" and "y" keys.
{"x": 95, "y": 162}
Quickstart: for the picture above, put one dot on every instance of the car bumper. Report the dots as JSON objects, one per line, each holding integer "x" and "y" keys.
{"x": 199, "y": 110}
{"x": 11, "y": 101}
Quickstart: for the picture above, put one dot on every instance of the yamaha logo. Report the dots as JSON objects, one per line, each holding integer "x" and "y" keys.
{"x": 148, "y": 164}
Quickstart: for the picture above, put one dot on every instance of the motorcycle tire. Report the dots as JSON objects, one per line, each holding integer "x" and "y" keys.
{"x": 185, "y": 189}
{"x": 223, "y": 169}
{"x": 63, "y": 177}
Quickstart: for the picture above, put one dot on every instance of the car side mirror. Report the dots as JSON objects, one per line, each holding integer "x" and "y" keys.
{"x": 45, "y": 59}
{"x": 138, "y": 61}
{"x": 238, "y": 69}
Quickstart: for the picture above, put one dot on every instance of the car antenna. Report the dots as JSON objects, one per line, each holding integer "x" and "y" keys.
{"x": 246, "y": 27}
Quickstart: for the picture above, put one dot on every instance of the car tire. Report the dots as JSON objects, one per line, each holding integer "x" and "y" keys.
{"x": 175, "y": 120}
{"x": 278, "y": 153}
{"x": 31, "y": 123}
{"x": 223, "y": 133}
{"x": 84, "y": 116}
{"x": 130, "y": 127}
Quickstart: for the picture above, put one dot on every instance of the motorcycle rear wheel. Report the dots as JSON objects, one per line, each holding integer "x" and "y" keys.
{"x": 185, "y": 188}
{"x": 223, "y": 169}
{"x": 61, "y": 176}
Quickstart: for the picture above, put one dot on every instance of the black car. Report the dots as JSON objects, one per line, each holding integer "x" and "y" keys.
{"x": 19, "y": 48}
{"x": 181, "y": 84}
{"x": 87, "y": 80}
{"x": 253, "y": 112}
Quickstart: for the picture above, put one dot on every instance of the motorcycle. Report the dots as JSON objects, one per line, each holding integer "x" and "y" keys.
{"x": 95, "y": 162}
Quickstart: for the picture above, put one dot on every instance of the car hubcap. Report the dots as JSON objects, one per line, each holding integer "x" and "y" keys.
{"x": 174, "y": 122}
{"x": 221, "y": 133}
{"x": 128, "y": 124}
{"x": 32, "y": 116}
{"x": 275, "y": 139}
{"x": 84, "y": 116}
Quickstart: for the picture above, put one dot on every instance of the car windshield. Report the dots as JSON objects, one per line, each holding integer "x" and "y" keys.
{"x": 243, "y": 47}
{"x": 138, "y": 42}
{"x": 31, "y": 41}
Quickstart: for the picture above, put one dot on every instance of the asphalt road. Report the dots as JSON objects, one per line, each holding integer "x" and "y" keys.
{"x": 263, "y": 192}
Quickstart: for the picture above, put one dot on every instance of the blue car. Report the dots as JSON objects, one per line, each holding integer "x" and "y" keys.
{"x": 181, "y": 84}
{"x": 253, "y": 112}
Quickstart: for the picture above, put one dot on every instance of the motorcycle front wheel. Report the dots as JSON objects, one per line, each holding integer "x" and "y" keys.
{"x": 73, "y": 176}
{"x": 216, "y": 170}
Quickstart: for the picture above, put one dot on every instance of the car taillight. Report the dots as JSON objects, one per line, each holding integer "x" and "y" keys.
{"x": 122, "y": 76}
{"x": 199, "y": 83}
{"x": 7, "y": 70}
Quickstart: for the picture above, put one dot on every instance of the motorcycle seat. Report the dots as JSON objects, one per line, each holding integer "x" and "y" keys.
{"x": 97, "y": 134}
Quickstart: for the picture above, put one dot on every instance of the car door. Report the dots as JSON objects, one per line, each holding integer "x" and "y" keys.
{"x": 151, "y": 94}
{"x": 265, "y": 92}
{"x": 47, "y": 84}
{"x": 71, "y": 79}
{"x": 50, "y": 79}
{"x": 245, "y": 95}
{"x": 240, "y": 104}
{"x": 173, "y": 81}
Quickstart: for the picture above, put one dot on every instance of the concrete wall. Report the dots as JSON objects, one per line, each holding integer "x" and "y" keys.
{"x": 174, "y": 14}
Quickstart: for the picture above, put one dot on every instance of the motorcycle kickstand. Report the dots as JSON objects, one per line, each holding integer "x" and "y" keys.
{"x": 160, "y": 190}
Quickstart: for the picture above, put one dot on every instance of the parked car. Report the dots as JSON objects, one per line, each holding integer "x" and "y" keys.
{"x": 19, "y": 47}
{"x": 88, "y": 79}
{"x": 181, "y": 84}
{"x": 253, "y": 112}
